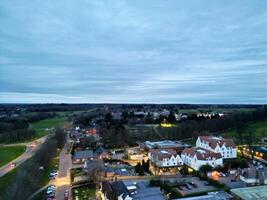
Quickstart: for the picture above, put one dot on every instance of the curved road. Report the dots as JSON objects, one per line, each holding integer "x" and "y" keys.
{"x": 31, "y": 148}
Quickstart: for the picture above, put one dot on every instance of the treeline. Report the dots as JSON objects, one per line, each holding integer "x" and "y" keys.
{"x": 45, "y": 107}
{"x": 29, "y": 177}
{"x": 16, "y": 129}
{"x": 238, "y": 121}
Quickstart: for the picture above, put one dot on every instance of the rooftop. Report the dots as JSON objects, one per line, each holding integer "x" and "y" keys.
{"x": 200, "y": 153}
{"x": 251, "y": 193}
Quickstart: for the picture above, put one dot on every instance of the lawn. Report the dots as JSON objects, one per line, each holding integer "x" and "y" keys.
{"x": 10, "y": 176}
{"x": 9, "y": 153}
{"x": 53, "y": 165}
{"x": 42, "y": 127}
{"x": 259, "y": 130}
{"x": 83, "y": 193}
{"x": 7, "y": 178}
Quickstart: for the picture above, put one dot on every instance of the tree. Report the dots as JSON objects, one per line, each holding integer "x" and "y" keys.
{"x": 60, "y": 137}
{"x": 204, "y": 169}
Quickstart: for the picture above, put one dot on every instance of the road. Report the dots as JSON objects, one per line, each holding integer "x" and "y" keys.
{"x": 62, "y": 181}
{"x": 31, "y": 148}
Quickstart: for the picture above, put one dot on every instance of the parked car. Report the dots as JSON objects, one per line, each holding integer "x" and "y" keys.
{"x": 206, "y": 183}
{"x": 188, "y": 186}
{"x": 180, "y": 187}
{"x": 66, "y": 195}
{"x": 222, "y": 174}
{"x": 53, "y": 174}
{"x": 193, "y": 184}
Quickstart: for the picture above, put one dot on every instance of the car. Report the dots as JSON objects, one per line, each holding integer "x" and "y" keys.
{"x": 222, "y": 174}
{"x": 206, "y": 183}
{"x": 13, "y": 164}
{"x": 53, "y": 173}
{"x": 53, "y": 187}
{"x": 193, "y": 184}
{"x": 50, "y": 191}
{"x": 66, "y": 195}
{"x": 180, "y": 187}
{"x": 51, "y": 177}
{"x": 51, "y": 195}
{"x": 188, "y": 186}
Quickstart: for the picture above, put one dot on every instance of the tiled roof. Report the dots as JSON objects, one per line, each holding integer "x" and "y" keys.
{"x": 163, "y": 153}
{"x": 83, "y": 154}
{"x": 213, "y": 141}
{"x": 201, "y": 154}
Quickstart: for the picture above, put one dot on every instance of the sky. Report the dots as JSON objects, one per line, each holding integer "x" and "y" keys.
{"x": 133, "y": 51}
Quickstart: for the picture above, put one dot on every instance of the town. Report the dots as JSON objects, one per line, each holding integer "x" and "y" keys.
{"x": 112, "y": 152}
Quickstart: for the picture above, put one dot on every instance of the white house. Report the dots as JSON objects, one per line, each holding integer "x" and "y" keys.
{"x": 196, "y": 157}
{"x": 165, "y": 157}
{"x": 225, "y": 147}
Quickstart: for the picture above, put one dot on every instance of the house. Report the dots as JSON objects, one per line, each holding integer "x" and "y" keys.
{"x": 80, "y": 157}
{"x": 195, "y": 157}
{"x": 101, "y": 153}
{"x": 114, "y": 191}
{"x": 162, "y": 160}
{"x": 107, "y": 192}
{"x": 254, "y": 175}
{"x": 225, "y": 147}
{"x": 129, "y": 190}
{"x": 134, "y": 153}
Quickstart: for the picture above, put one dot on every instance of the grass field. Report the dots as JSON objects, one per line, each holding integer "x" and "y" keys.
{"x": 259, "y": 130}
{"x": 9, "y": 153}
{"x": 7, "y": 178}
{"x": 42, "y": 125}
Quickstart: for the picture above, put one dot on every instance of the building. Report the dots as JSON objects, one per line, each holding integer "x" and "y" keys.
{"x": 226, "y": 147}
{"x": 195, "y": 157}
{"x": 250, "y": 193}
{"x": 114, "y": 191}
{"x": 218, "y": 195}
{"x": 164, "y": 160}
{"x": 129, "y": 190}
{"x": 254, "y": 175}
{"x": 258, "y": 153}
{"x": 101, "y": 153}
{"x": 134, "y": 153}
{"x": 80, "y": 157}
{"x": 164, "y": 144}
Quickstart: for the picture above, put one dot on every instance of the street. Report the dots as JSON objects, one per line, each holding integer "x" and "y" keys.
{"x": 63, "y": 180}
{"x": 31, "y": 148}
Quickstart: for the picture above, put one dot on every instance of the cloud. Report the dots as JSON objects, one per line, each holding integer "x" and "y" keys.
{"x": 133, "y": 51}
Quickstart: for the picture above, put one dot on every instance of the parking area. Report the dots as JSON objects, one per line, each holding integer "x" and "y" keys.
{"x": 194, "y": 185}
{"x": 229, "y": 180}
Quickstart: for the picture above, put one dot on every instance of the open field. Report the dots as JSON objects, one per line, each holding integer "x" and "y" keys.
{"x": 7, "y": 179}
{"x": 259, "y": 130}
{"x": 10, "y": 153}
{"x": 42, "y": 127}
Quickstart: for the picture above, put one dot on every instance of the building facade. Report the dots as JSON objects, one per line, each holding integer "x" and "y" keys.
{"x": 196, "y": 157}
{"x": 225, "y": 147}
{"x": 164, "y": 160}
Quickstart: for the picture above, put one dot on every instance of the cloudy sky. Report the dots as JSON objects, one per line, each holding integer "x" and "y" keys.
{"x": 135, "y": 51}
